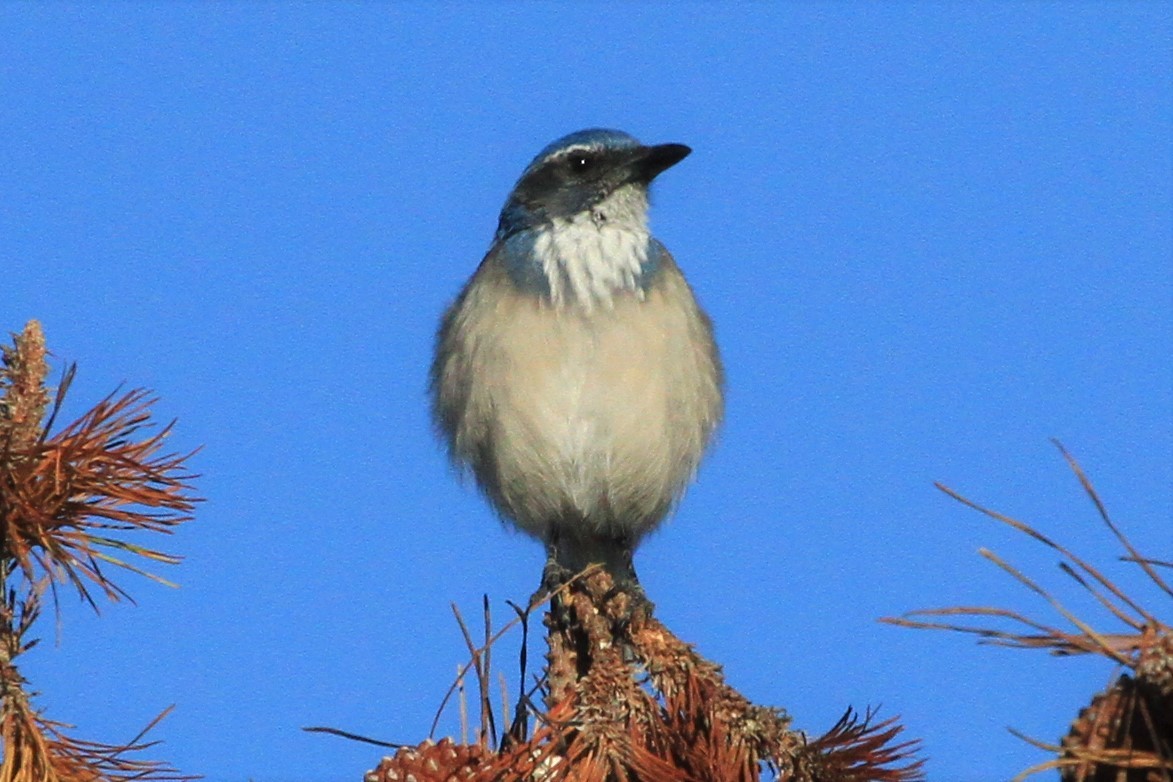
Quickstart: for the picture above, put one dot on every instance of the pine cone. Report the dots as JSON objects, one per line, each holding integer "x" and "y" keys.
{"x": 1123, "y": 735}
{"x": 445, "y": 761}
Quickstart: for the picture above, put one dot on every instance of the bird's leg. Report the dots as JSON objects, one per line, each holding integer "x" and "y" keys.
{"x": 556, "y": 572}
{"x": 621, "y": 566}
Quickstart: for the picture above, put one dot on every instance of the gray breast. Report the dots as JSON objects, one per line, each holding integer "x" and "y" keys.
{"x": 580, "y": 421}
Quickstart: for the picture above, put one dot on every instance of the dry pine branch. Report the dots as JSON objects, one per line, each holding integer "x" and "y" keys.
{"x": 67, "y": 501}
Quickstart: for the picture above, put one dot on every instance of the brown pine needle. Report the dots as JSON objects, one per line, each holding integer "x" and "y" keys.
{"x": 1085, "y": 628}
{"x": 100, "y": 474}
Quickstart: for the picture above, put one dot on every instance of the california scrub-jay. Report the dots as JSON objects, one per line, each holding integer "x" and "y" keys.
{"x": 575, "y": 374}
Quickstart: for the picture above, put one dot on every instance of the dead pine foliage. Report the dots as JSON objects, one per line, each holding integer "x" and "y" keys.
{"x": 68, "y": 501}
{"x": 622, "y": 698}
{"x": 1125, "y": 733}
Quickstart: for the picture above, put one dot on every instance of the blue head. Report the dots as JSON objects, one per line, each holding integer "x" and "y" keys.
{"x": 578, "y": 172}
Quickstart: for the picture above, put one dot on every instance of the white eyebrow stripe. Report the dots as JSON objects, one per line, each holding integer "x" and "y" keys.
{"x": 592, "y": 148}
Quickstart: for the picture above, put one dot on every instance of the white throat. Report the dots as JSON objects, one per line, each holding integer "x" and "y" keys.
{"x": 592, "y": 256}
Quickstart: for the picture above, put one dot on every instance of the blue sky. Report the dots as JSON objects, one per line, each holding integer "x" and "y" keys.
{"x": 932, "y": 236}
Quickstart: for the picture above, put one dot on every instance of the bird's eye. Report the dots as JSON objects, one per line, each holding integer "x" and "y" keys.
{"x": 580, "y": 163}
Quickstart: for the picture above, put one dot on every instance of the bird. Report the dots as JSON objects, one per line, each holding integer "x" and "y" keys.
{"x": 575, "y": 375}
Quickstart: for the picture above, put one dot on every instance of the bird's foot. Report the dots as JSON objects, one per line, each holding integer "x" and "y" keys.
{"x": 635, "y": 598}
{"x": 554, "y": 576}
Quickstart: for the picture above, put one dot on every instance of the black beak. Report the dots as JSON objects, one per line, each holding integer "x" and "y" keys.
{"x": 650, "y": 162}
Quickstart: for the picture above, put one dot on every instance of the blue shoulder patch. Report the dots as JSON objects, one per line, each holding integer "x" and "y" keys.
{"x": 651, "y": 267}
